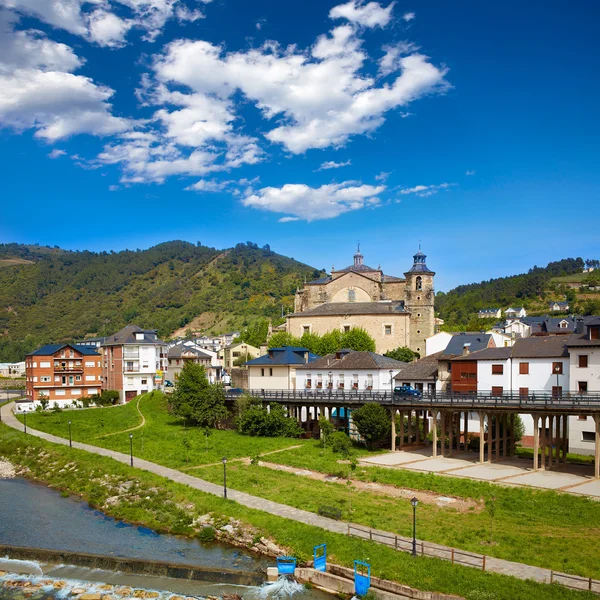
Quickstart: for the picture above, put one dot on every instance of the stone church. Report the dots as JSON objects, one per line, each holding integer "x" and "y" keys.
{"x": 395, "y": 311}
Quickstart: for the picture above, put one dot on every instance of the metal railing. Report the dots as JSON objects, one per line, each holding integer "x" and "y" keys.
{"x": 534, "y": 400}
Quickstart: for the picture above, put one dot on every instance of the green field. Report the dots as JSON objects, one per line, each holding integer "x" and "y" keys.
{"x": 543, "y": 528}
{"x": 166, "y": 506}
{"x": 567, "y": 278}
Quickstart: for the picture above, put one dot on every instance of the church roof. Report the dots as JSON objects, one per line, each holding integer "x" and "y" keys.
{"x": 357, "y": 268}
{"x": 353, "y": 360}
{"x": 353, "y": 308}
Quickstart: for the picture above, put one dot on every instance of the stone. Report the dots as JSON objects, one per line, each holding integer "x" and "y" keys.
{"x": 127, "y": 591}
{"x": 228, "y": 528}
{"x": 91, "y": 596}
{"x": 77, "y": 591}
{"x": 2, "y": 573}
{"x": 232, "y": 597}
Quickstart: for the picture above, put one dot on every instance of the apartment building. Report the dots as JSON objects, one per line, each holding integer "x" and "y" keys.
{"x": 62, "y": 374}
{"x": 134, "y": 362}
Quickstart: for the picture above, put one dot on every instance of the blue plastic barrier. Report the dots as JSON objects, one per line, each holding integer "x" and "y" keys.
{"x": 286, "y": 565}
{"x": 362, "y": 582}
{"x": 320, "y": 557}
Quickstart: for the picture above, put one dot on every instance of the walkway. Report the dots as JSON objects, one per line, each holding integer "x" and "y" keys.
{"x": 574, "y": 479}
{"x": 495, "y": 565}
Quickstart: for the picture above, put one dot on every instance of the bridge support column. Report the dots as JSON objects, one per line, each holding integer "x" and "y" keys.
{"x": 443, "y": 419}
{"x": 450, "y": 426}
{"x": 434, "y": 432}
{"x": 543, "y": 443}
{"x": 466, "y": 437}
{"x": 409, "y": 429}
{"x": 490, "y": 441}
{"x": 597, "y": 453}
{"x": 506, "y": 438}
{"x": 425, "y": 425}
{"x": 550, "y": 442}
{"x": 565, "y": 438}
{"x": 536, "y": 442}
{"x": 511, "y": 449}
{"x": 481, "y": 437}
{"x": 393, "y": 413}
{"x": 417, "y": 427}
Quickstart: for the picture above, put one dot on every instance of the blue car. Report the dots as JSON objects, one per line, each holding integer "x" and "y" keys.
{"x": 407, "y": 390}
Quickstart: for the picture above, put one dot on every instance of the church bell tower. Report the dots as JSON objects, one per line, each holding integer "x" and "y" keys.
{"x": 419, "y": 302}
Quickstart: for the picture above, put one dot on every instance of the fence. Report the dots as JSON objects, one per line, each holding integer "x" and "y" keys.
{"x": 460, "y": 557}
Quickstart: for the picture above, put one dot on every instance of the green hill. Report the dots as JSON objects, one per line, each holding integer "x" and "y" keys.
{"x": 533, "y": 290}
{"x": 50, "y": 294}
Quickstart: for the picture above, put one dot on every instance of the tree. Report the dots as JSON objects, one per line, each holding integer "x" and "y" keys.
{"x": 327, "y": 429}
{"x": 372, "y": 422}
{"x": 196, "y": 399}
{"x": 256, "y": 334}
{"x": 256, "y": 420}
{"x": 283, "y": 338}
{"x": 403, "y": 354}
{"x": 330, "y": 342}
{"x": 357, "y": 338}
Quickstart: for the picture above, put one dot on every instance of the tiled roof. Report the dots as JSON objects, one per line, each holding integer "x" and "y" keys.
{"x": 50, "y": 349}
{"x": 540, "y": 347}
{"x": 423, "y": 369}
{"x": 487, "y": 354}
{"x": 127, "y": 336}
{"x": 353, "y": 308}
{"x": 288, "y": 355}
{"x": 179, "y": 349}
{"x": 474, "y": 341}
{"x": 354, "y": 360}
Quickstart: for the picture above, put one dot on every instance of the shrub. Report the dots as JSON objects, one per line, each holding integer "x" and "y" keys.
{"x": 207, "y": 534}
{"x": 331, "y": 512}
{"x": 340, "y": 443}
{"x": 44, "y": 402}
{"x": 257, "y": 421}
{"x": 56, "y": 408}
{"x": 372, "y": 422}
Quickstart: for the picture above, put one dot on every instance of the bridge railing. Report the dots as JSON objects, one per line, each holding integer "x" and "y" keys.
{"x": 541, "y": 399}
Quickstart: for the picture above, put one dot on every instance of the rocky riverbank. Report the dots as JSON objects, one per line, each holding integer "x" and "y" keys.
{"x": 7, "y": 471}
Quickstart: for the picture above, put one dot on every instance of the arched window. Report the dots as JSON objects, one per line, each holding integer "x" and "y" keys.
{"x": 418, "y": 283}
{"x": 351, "y": 296}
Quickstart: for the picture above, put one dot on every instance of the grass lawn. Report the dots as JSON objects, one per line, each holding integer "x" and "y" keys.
{"x": 56, "y": 466}
{"x": 542, "y": 528}
{"x": 161, "y": 440}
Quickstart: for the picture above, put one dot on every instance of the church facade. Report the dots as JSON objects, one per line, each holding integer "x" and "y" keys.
{"x": 395, "y": 311}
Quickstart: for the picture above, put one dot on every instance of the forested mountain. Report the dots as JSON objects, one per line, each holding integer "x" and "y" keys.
{"x": 50, "y": 294}
{"x": 459, "y": 306}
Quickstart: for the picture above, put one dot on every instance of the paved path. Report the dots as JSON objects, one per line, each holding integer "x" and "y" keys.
{"x": 143, "y": 422}
{"x": 496, "y": 565}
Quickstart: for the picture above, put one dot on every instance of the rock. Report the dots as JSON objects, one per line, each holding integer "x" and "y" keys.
{"x": 232, "y": 597}
{"x": 127, "y": 591}
{"x": 91, "y": 596}
{"x": 176, "y": 598}
{"x": 228, "y": 528}
{"x": 59, "y": 585}
{"x": 112, "y": 501}
{"x": 106, "y": 587}
{"x": 77, "y": 591}
{"x": 2, "y": 573}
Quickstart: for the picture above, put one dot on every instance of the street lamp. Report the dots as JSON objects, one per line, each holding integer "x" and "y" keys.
{"x": 557, "y": 370}
{"x": 25, "y": 422}
{"x": 70, "y": 438}
{"x": 330, "y": 380}
{"x": 391, "y": 385}
{"x": 224, "y": 460}
{"x": 131, "y": 448}
{"x": 414, "y": 503}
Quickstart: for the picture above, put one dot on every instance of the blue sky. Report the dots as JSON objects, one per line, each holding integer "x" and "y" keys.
{"x": 470, "y": 127}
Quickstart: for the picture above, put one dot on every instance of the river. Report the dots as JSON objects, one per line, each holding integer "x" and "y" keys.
{"x": 39, "y": 517}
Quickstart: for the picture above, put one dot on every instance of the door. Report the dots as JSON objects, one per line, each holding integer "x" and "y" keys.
{"x": 130, "y": 395}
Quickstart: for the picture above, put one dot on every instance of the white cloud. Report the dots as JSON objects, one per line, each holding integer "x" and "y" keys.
{"x": 56, "y": 153}
{"x": 470, "y": 172}
{"x": 106, "y": 29}
{"x": 367, "y": 15}
{"x": 408, "y": 16}
{"x": 304, "y": 202}
{"x": 208, "y": 185}
{"x": 113, "y": 188}
{"x": 383, "y": 176}
{"x": 391, "y": 62}
{"x": 331, "y": 164}
{"x": 426, "y": 190}
{"x": 288, "y": 219}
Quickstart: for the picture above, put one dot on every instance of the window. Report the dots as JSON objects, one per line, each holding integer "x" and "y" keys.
{"x": 346, "y": 328}
{"x": 45, "y": 364}
{"x": 583, "y": 361}
{"x": 90, "y": 378}
{"x": 497, "y": 390}
{"x": 556, "y": 391}
{"x": 34, "y": 365}
{"x": 497, "y": 369}
{"x": 594, "y": 333}
{"x": 355, "y": 381}
{"x": 45, "y": 379}
{"x": 370, "y": 381}
{"x": 588, "y": 436}
{"x": 418, "y": 283}
{"x": 92, "y": 391}
{"x": 262, "y": 372}
{"x": 351, "y": 296}
{"x": 144, "y": 382}
{"x": 35, "y": 379}
{"x": 306, "y": 328}
{"x": 341, "y": 381}
{"x": 75, "y": 392}
{"x": 524, "y": 368}
{"x": 270, "y": 371}
{"x": 582, "y": 418}
{"x": 557, "y": 368}
{"x": 308, "y": 380}
{"x": 388, "y": 329}
{"x": 71, "y": 354}
{"x": 78, "y": 378}
{"x": 582, "y": 387}
{"x": 60, "y": 392}
{"x": 523, "y": 392}
{"x": 90, "y": 363}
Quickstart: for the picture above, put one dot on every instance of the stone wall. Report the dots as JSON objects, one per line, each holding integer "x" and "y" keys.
{"x": 239, "y": 378}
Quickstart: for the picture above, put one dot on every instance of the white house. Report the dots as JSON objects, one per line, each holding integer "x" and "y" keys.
{"x": 501, "y": 340}
{"x": 489, "y": 313}
{"x": 515, "y": 313}
{"x": 12, "y": 369}
{"x": 584, "y": 369}
{"x": 277, "y": 370}
{"x": 437, "y": 343}
{"x": 349, "y": 370}
{"x": 517, "y": 329}
{"x": 559, "y": 306}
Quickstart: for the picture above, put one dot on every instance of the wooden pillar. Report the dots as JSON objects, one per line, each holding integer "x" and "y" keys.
{"x": 543, "y": 443}
{"x": 434, "y": 435}
{"x": 511, "y": 449}
{"x": 417, "y": 427}
{"x": 536, "y": 442}
{"x": 505, "y": 444}
{"x": 466, "y": 438}
{"x": 565, "y": 438}
{"x": 481, "y": 437}
{"x": 451, "y": 426}
{"x": 409, "y": 428}
{"x": 393, "y": 412}
{"x": 425, "y": 425}
{"x": 490, "y": 442}
{"x": 597, "y": 452}
{"x": 551, "y": 436}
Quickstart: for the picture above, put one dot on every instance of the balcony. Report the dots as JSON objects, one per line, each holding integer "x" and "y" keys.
{"x": 65, "y": 368}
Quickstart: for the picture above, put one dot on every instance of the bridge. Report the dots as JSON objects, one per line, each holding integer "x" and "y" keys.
{"x": 451, "y": 412}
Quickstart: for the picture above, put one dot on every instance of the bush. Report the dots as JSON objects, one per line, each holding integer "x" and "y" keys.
{"x": 372, "y": 421}
{"x": 340, "y": 443}
{"x": 331, "y": 512}
{"x": 257, "y": 421}
{"x": 207, "y": 534}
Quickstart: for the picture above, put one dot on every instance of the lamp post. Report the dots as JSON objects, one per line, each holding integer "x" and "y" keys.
{"x": 557, "y": 370}
{"x": 414, "y": 503}
{"x": 131, "y": 448}
{"x": 70, "y": 438}
{"x": 391, "y": 385}
{"x": 25, "y": 422}
{"x": 330, "y": 380}
{"x": 224, "y": 460}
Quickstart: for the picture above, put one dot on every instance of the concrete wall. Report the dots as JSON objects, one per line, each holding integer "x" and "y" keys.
{"x": 281, "y": 378}
{"x": 436, "y": 343}
{"x": 380, "y": 379}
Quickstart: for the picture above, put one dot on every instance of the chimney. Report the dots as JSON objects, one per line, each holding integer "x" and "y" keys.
{"x": 306, "y": 358}
{"x": 466, "y": 350}
{"x": 579, "y": 326}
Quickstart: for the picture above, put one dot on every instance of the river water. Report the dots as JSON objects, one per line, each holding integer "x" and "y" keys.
{"x": 36, "y": 516}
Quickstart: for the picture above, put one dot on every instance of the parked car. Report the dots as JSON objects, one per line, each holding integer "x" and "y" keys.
{"x": 235, "y": 391}
{"x": 168, "y": 383}
{"x": 407, "y": 390}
